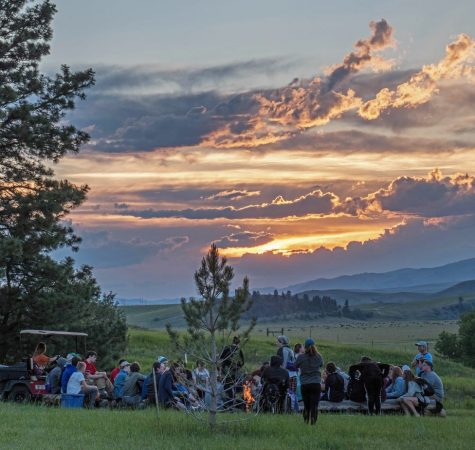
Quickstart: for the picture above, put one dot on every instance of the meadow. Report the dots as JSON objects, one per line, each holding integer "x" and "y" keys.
{"x": 37, "y": 427}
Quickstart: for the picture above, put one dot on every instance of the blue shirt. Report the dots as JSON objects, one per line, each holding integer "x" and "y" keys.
{"x": 67, "y": 372}
{"x": 396, "y": 389}
{"x": 119, "y": 383}
{"x": 165, "y": 389}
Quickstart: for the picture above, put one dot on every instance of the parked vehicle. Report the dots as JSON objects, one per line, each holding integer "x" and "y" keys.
{"x": 20, "y": 382}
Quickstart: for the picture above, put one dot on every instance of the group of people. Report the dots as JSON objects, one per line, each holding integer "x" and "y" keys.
{"x": 125, "y": 385}
{"x": 294, "y": 375}
{"x": 301, "y": 372}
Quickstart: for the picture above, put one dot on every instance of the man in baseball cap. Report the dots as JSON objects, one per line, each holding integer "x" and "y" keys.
{"x": 423, "y": 354}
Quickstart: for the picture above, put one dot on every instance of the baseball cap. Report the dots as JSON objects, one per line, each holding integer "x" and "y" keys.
{"x": 428, "y": 362}
{"x": 162, "y": 359}
{"x": 308, "y": 342}
{"x": 70, "y": 356}
{"x": 405, "y": 367}
{"x": 124, "y": 364}
{"x": 422, "y": 344}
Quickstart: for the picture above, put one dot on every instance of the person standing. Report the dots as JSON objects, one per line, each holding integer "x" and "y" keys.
{"x": 310, "y": 364}
{"x": 372, "y": 374}
{"x": 422, "y": 355}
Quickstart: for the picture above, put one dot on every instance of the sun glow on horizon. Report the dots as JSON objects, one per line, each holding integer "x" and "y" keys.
{"x": 303, "y": 244}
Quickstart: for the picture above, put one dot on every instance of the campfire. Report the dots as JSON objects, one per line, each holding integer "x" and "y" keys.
{"x": 247, "y": 395}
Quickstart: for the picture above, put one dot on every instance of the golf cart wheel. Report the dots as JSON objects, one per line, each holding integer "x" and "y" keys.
{"x": 19, "y": 394}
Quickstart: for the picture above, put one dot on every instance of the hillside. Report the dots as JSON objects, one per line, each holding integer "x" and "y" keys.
{"x": 402, "y": 278}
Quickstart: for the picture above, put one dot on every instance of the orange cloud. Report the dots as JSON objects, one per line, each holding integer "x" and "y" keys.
{"x": 423, "y": 85}
{"x": 306, "y": 104}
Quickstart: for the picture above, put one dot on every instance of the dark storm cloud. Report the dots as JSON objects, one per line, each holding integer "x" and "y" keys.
{"x": 315, "y": 202}
{"x": 99, "y": 249}
{"x": 433, "y": 196}
{"x": 117, "y": 78}
{"x": 233, "y": 194}
{"x": 145, "y": 108}
{"x": 348, "y": 141}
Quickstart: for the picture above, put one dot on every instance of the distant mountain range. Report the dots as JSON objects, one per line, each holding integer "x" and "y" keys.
{"x": 428, "y": 280}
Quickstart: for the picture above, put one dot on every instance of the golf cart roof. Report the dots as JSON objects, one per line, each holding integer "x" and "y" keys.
{"x": 53, "y": 333}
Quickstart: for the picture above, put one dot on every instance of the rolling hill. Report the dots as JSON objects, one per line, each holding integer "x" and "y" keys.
{"x": 401, "y": 279}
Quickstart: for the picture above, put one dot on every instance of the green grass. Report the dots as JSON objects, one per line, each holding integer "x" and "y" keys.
{"x": 29, "y": 427}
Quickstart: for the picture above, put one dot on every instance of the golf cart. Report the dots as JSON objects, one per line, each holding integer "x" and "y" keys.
{"x": 20, "y": 382}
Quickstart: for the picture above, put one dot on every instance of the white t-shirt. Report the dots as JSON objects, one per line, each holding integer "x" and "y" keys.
{"x": 74, "y": 383}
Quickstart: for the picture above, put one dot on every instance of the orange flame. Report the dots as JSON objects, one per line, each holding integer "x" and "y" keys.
{"x": 247, "y": 395}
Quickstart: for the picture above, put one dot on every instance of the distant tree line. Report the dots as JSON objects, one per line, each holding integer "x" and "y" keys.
{"x": 301, "y": 307}
{"x": 453, "y": 311}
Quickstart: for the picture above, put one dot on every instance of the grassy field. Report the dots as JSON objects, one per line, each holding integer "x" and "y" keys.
{"x": 37, "y": 428}
{"x": 146, "y": 345}
{"x": 375, "y": 333}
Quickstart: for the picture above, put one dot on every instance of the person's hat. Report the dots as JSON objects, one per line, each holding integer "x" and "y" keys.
{"x": 61, "y": 362}
{"x": 428, "y": 362}
{"x": 309, "y": 342}
{"x": 421, "y": 344}
{"x": 283, "y": 340}
{"x": 70, "y": 356}
{"x": 162, "y": 359}
{"x": 124, "y": 364}
{"x": 405, "y": 367}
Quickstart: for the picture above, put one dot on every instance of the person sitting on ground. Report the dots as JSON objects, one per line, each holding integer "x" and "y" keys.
{"x": 434, "y": 380}
{"x": 201, "y": 378}
{"x": 132, "y": 389}
{"x": 371, "y": 374}
{"x": 423, "y": 354}
{"x": 165, "y": 391}
{"x": 258, "y": 372}
{"x": 345, "y": 376}
{"x": 115, "y": 371}
{"x": 285, "y": 352}
{"x": 409, "y": 401}
{"x": 96, "y": 378}
{"x": 334, "y": 385}
{"x": 183, "y": 388}
{"x": 397, "y": 386}
{"x": 40, "y": 358}
{"x": 148, "y": 390}
{"x": 278, "y": 376}
{"x": 77, "y": 385}
{"x": 53, "y": 380}
{"x": 120, "y": 380}
{"x": 69, "y": 369}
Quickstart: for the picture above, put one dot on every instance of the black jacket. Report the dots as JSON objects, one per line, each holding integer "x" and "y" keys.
{"x": 369, "y": 370}
{"x": 335, "y": 387}
{"x": 276, "y": 375}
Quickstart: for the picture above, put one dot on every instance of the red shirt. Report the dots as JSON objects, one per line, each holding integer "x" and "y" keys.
{"x": 114, "y": 373}
{"x": 91, "y": 368}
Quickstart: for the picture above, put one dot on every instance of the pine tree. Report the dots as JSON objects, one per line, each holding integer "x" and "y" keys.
{"x": 36, "y": 290}
{"x": 213, "y": 319}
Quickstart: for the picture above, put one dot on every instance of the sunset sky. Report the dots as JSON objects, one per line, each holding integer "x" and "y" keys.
{"x": 307, "y": 139}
